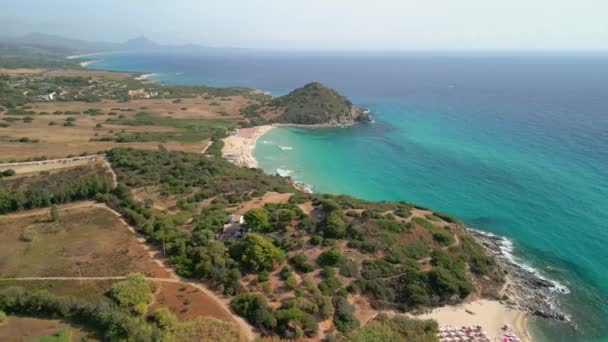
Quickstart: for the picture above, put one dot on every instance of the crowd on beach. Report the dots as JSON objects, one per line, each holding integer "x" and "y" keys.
{"x": 473, "y": 333}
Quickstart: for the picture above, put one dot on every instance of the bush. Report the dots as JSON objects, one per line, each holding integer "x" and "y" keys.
{"x": 2, "y": 317}
{"x": 255, "y": 309}
{"x": 344, "y": 319}
{"x": 316, "y": 240}
{"x": 330, "y": 257}
{"x": 333, "y": 225}
{"x": 293, "y": 322}
{"x": 300, "y": 261}
{"x": 403, "y": 212}
{"x": 133, "y": 293}
{"x": 348, "y": 268}
{"x": 256, "y": 219}
{"x": 257, "y": 254}
{"x": 411, "y": 250}
{"x": 285, "y": 273}
{"x": 263, "y": 276}
{"x": 330, "y": 282}
{"x": 26, "y": 236}
{"x": 443, "y": 238}
{"x": 54, "y": 213}
{"x": 291, "y": 282}
{"x": 165, "y": 319}
{"x": 8, "y": 173}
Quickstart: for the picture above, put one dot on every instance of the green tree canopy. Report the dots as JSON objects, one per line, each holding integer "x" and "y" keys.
{"x": 256, "y": 219}
{"x": 258, "y": 254}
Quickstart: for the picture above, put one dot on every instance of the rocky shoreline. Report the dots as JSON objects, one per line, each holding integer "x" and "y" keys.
{"x": 526, "y": 290}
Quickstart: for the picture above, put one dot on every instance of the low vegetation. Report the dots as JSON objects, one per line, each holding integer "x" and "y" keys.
{"x": 61, "y": 187}
{"x": 388, "y": 269}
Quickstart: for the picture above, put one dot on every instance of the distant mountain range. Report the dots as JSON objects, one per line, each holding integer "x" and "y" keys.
{"x": 42, "y": 39}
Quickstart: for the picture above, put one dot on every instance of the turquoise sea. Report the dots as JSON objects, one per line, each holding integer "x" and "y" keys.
{"x": 514, "y": 144}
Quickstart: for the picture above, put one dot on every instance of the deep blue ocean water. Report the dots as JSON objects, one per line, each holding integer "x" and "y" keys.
{"x": 514, "y": 144}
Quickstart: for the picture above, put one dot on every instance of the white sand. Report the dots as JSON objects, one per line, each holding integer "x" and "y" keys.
{"x": 239, "y": 147}
{"x": 87, "y": 63}
{"x": 490, "y": 315}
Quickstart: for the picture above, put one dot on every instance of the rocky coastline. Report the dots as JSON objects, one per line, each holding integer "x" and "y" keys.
{"x": 526, "y": 290}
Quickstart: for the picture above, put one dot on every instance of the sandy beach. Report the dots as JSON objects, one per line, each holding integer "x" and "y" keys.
{"x": 489, "y": 314}
{"x": 238, "y": 148}
{"x": 87, "y": 63}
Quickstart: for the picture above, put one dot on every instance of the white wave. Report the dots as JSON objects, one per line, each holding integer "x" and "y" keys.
{"x": 87, "y": 63}
{"x": 267, "y": 142}
{"x": 307, "y": 188}
{"x": 284, "y": 172}
{"x": 145, "y": 77}
{"x": 506, "y": 249}
{"x": 286, "y": 148}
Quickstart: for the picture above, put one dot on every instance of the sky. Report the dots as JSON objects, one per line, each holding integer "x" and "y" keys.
{"x": 323, "y": 24}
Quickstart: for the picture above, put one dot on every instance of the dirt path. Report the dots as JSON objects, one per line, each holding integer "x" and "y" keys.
{"x": 207, "y": 144}
{"x": 107, "y": 164}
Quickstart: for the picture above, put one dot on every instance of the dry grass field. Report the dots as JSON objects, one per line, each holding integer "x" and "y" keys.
{"x": 54, "y": 140}
{"x": 187, "y": 302}
{"x": 27, "y": 329}
{"x": 109, "y": 75}
{"x": 85, "y": 241}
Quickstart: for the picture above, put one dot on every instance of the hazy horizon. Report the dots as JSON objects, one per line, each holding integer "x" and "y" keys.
{"x": 470, "y": 25}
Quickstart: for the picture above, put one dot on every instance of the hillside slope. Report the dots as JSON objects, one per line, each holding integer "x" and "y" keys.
{"x": 312, "y": 104}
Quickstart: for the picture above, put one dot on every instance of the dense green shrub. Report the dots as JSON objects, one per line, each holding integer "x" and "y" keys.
{"x": 330, "y": 257}
{"x": 256, "y": 219}
{"x": 300, "y": 261}
{"x": 133, "y": 293}
{"x": 344, "y": 318}
{"x": 255, "y": 309}
{"x": 333, "y": 225}
{"x": 257, "y": 254}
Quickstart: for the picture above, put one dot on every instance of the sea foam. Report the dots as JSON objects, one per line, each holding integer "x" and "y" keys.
{"x": 284, "y": 172}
